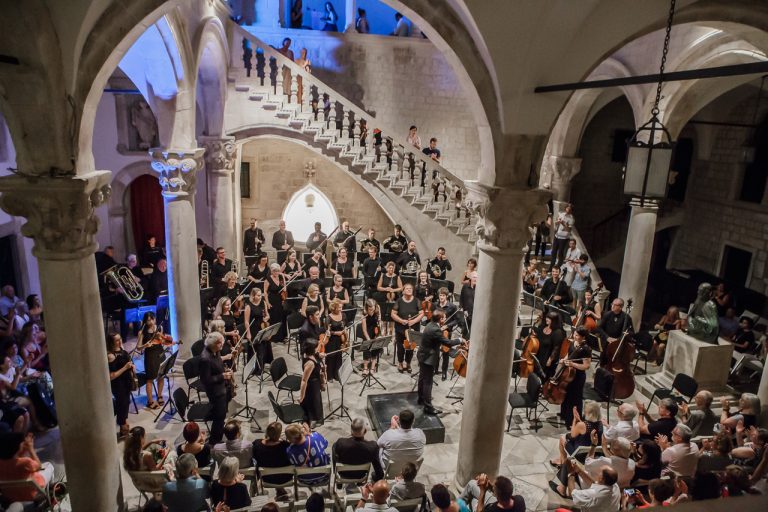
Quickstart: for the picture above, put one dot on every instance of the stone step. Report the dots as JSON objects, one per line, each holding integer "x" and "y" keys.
{"x": 242, "y": 87}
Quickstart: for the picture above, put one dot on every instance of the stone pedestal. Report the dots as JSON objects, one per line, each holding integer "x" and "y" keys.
{"x": 220, "y": 156}
{"x": 61, "y": 219}
{"x": 177, "y": 169}
{"x": 637, "y": 258}
{"x": 504, "y": 215}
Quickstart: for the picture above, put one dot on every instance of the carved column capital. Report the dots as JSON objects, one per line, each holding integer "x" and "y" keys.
{"x": 557, "y": 170}
{"x": 504, "y": 214}
{"x": 60, "y": 212}
{"x": 177, "y": 169}
{"x": 220, "y": 154}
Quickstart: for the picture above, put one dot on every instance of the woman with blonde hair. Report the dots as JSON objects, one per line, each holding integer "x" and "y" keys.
{"x": 273, "y": 288}
{"x": 337, "y": 339}
{"x": 313, "y": 298}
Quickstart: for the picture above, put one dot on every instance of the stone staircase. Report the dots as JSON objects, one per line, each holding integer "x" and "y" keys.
{"x": 393, "y": 167}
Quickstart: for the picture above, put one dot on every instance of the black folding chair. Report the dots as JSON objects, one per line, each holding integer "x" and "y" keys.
{"x": 278, "y": 370}
{"x": 528, "y": 401}
{"x": 683, "y": 389}
{"x": 289, "y": 413}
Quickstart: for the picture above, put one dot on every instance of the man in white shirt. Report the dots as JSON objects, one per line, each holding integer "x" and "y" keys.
{"x": 8, "y": 300}
{"x": 378, "y": 494}
{"x": 401, "y": 443}
{"x": 681, "y": 456}
{"x": 401, "y": 26}
{"x": 602, "y": 496}
{"x": 616, "y": 455}
{"x": 626, "y": 427}
{"x": 234, "y": 446}
{"x": 563, "y": 229}
{"x": 571, "y": 260}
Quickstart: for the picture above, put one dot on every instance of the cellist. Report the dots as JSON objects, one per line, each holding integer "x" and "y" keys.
{"x": 613, "y": 323}
{"x": 579, "y": 357}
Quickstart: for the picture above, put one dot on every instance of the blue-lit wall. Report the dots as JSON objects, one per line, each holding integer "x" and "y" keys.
{"x": 381, "y": 17}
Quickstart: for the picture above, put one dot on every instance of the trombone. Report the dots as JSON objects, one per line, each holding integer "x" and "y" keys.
{"x": 205, "y": 274}
{"x": 124, "y": 282}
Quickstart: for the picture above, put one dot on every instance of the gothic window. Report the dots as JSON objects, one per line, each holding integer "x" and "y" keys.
{"x": 306, "y": 207}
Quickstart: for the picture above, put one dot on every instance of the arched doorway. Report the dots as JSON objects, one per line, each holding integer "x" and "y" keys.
{"x": 306, "y": 207}
{"x": 146, "y": 210}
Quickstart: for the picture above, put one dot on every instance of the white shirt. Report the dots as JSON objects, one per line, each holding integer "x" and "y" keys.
{"x": 564, "y": 230}
{"x": 598, "y": 498}
{"x": 629, "y": 430}
{"x": 401, "y": 28}
{"x": 624, "y": 467}
{"x": 6, "y": 303}
{"x": 570, "y": 255}
{"x": 681, "y": 458}
{"x": 401, "y": 445}
{"x": 238, "y": 448}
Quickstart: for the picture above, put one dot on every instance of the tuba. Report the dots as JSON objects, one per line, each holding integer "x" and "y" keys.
{"x": 124, "y": 282}
{"x": 205, "y": 273}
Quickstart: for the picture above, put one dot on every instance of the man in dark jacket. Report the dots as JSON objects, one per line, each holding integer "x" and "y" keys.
{"x": 429, "y": 358}
{"x": 215, "y": 379}
{"x": 356, "y": 450}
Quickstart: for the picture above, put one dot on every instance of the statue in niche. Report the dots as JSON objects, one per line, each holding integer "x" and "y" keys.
{"x": 143, "y": 120}
{"x": 702, "y": 317}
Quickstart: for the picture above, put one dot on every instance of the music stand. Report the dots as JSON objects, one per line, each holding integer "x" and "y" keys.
{"x": 247, "y": 411}
{"x": 345, "y": 372}
{"x": 263, "y": 335}
{"x": 165, "y": 368}
{"x": 366, "y": 346}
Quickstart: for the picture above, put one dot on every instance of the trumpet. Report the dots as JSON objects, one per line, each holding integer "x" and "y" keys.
{"x": 124, "y": 281}
{"x": 205, "y": 274}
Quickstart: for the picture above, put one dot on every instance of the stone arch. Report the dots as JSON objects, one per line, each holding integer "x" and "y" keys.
{"x": 117, "y": 209}
{"x": 210, "y": 75}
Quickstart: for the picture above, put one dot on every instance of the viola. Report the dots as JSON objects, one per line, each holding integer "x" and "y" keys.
{"x": 166, "y": 340}
{"x": 531, "y": 347}
{"x": 322, "y": 341}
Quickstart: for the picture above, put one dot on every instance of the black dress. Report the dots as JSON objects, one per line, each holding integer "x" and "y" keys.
{"x": 386, "y": 282}
{"x": 549, "y": 344}
{"x": 423, "y": 291}
{"x": 574, "y": 393}
{"x": 313, "y": 398}
{"x": 372, "y": 329}
{"x": 121, "y": 386}
{"x": 153, "y": 356}
{"x": 259, "y": 274}
{"x": 235, "y": 496}
{"x": 264, "y": 348}
{"x": 276, "y": 311}
{"x": 333, "y": 361}
{"x": 291, "y": 269}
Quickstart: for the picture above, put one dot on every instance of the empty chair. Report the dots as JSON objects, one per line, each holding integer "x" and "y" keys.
{"x": 528, "y": 400}
{"x": 191, "y": 369}
{"x": 342, "y": 479}
{"x": 197, "y": 347}
{"x": 289, "y": 413}
{"x": 289, "y": 473}
{"x": 278, "y": 370}
{"x": 683, "y": 389}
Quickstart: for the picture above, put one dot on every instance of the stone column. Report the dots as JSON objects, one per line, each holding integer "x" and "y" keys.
{"x": 177, "y": 169}
{"x": 557, "y": 173}
{"x": 503, "y": 217}
{"x": 637, "y": 257}
{"x": 61, "y": 219}
{"x": 762, "y": 393}
{"x": 350, "y": 15}
{"x": 220, "y": 157}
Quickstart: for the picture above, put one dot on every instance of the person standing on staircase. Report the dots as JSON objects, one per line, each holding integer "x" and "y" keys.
{"x": 563, "y": 230}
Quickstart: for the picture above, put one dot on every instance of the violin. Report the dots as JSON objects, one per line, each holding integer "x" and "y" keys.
{"x": 617, "y": 358}
{"x": 407, "y": 343}
{"x": 426, "y": 307}
{"x": 158, "y": 338}
{"x": 322, "y": 341}
{"x": 531, "y": 347}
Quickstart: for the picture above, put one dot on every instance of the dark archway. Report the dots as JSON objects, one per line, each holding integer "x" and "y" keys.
{"x": 147, "y": 217}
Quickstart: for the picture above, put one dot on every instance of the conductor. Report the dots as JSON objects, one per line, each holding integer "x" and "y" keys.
{"x": 429, "y": 358}
{"x": 217, "y": 383}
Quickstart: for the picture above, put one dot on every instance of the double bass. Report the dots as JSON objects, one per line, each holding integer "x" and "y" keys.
{"x": 617, "y": 358}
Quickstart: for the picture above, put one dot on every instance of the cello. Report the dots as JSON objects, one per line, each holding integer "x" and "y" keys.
{"x": 531, "y": 347}
{"x": 583, "y": 318}
{"x": 461, "y": 360}
{"x": 555, "y": 388}
{"x": 617, "y": 359}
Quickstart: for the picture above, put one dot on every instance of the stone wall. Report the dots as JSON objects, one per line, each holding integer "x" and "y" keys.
{"x": 403, "y": 81}
{"x": 277, "y": 173}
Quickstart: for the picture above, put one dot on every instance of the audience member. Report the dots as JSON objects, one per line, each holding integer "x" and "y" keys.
{"x": 401, "y": 26}
{"x": 602, "y": 495}
{"x": 702, "y": 421}
{"x": 307, "y": 449}
{"x": 715, "y": 454}
{"x": 8, "y": 300}
{"x": 140, "y": 455}
{"x": 188, "y": 492}
{"x": 272, "y": 452}
{"x": 19, "y": 461}
{"x": 441, "y": 497}
{"x": 743, "y": 339}
{"x": 405, "y": 486}
{"x": 682, "y": 455}
{"x": 581, "y": 432}
{"x": 361, "y": 24}
{"x": 706, "y": 486}
{"x": 234, "y": 446}
{"x": 378, "y": 493}
{"x": 355, "y": 449}
{"x": 749, "y": 411}
{"x": 647, "y": 461}
{"x": 737, "y": 482}
{"x": 497, "y": 496}
{"x": 659, "y": 492}
{"x": 194, "y": 443}
{"x": 229, "y": 488}
{"x": 626, "y": 427}
{"x": 402, "y": 443}
{"x": 729, "y": 323}
{"x": 615, "y": 455}
{"x": 666, "y": 422}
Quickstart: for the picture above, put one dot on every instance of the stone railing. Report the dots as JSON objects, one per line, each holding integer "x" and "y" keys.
{"x": 276, "y": 71}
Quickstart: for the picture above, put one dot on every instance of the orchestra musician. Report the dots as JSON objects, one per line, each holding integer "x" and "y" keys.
{"x": 132, "y": 262}
{"x": 152, "y": 252}
{"x": 451, "y": 322}
{"x": 121, "y": 379}
{"x": 403, "y": 261}
{"x": 423, "y": 290}
{"x": 591, "y": 308}
{"x": 282, "y": 240}
{"x": 406, "y": 314}
{"x": 219, "y": 269}
{"x": 579, "y": 358}
{"x": 557, "y": 293}
{"x": 253, "y": 239}
{"x": 256, "y": 317}
{"x": 371, "y": 270}
{"x": 397, "y": 242}
{"x": 316, "y": 238}
{"x": 209, "y": 254}
{"x": 471, "y": 267}
{"x": 467, "y": 300}
{"x": 337, "y": 292}
{"x": 317, "y": 260}
{"x": 312, "y": 327}
{"x": 551, "y": 335}
{"x": 310, "y": 392}
{"x": 314, "y": 279}
{"x": 291, "y": 268}
{"x": 388, "y": 288}
{"x": 313, "y": 299}
{"x": 335, "y": 332}
{"x": 614, "y": 322}
{"x": 153, "y": 357}
{"x": 344, "y": 267}
{"x": 429, "y": 357}
{"x": 370, "y": 329}
{"x": 157, "y": 282}
{"x": 223, "y": 312}
{"x": 273, "y": 287}
{"x": 231, "y": 291}
{"x": 260, "y": 270}
{"x": 217, "y": 383}
{"x": 439, "y": 265}
{"x": 345, "y": 238}
{"x": 370, "y": 241}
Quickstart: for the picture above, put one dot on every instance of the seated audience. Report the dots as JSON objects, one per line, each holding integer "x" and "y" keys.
{"x": 702, "y": 421}
{"x": 375, "y": 498}
{"x": 142, "y": 455}
{"x": 189, "y": 492}
{"x": 441, "y": 497}
{"x": 194, "y": 443}
{"x": 307, "y": 449}
{"x": 750, "y": 452}
{"x": 715, "y": 454}
{"x": 626, "y": 427}
{"x": 660, "y": 491}
{"x": 604, "y": 494}
{"x": 744, "y": 340}
{"x": 356, "y": 450}
{"x": 11, "y": 391}
{"x": 737, "y": 481}
{"x": 615, "y": 455}
{"x": 406, "y": 487}
{"x": 705, "y": 486}
{"x": 681, "y": 455}
{"x": 581, "y": 432}
{"x": 272, "y": 452}
{"x": 749, "y": 411}
{"x": 402, "y": 443}
{"x": 229, "y": 488}
{"x": 664, "y": 425}
{"x": 504, "y": 497}
{"x": 234, "y": 446}
{"x": 729, "y": 324}
{"x": 647, "y": 462}
{"x": 19, "y": 461}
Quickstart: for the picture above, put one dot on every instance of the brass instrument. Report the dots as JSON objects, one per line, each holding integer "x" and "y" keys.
{"x": 412, "y": 267}
{"x": 396, "y": 246}
{"x": 124, "y": 282}
{"x": 205, "y": 274}
{"x": 236, "y": 267}
{"x": 435, "y": 270}
{"x": 367, "y": 244}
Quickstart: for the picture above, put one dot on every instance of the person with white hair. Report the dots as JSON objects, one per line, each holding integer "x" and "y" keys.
{"x": 702, "y": 421}
{"x": 748, "y": 413}
{"x": 616, "y": 454}
{"x": 217, "y": 383}
{"x": 626, "y": 427}
{"x": 273, "y": 288}
{"x": 229, "y": 488}
{"x": 681, "y": 455}
{"x": 189, "y": 491}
